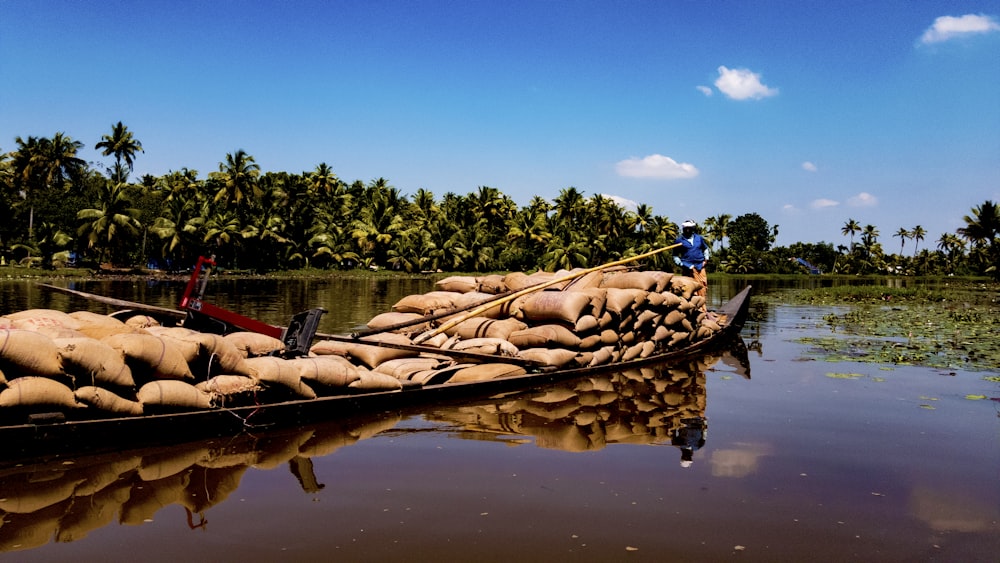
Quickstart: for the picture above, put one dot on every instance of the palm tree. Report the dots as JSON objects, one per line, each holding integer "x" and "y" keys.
{"x": 123, "y": 145}
{"x": 720, "y": 228}
{"x": 850, "y": 228}
{"x": 903, "y": 234}
{"x": 982, "y": 229}
{"x": 239, "y": 179}
{"x": 106, "y": 227}
{"x": 178, "y": 226}
{"x": 322, "y": 181}
{"x": 917, "y": 234}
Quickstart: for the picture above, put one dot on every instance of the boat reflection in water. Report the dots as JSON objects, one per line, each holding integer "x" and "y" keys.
{"x": 650, "y": 405}
{"x": 63, "y": 501}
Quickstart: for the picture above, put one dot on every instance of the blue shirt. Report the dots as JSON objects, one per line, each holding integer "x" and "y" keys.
{"x": 692, "y": 253}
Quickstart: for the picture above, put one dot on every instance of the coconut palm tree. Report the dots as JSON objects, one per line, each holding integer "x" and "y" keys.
{"x": 178, "y": 226}
{"x": 917, "y": 234}
{"x": 850, "y": 228}
{"x": 106, "y": 227}
{"x": 123, "y": 145}
{"x": 982, "y": 228}
{"x": 238, "y": 178}
{"x": 903, "y": 234}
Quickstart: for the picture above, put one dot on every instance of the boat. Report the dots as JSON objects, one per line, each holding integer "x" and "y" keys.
{"x": 52, "y": 435}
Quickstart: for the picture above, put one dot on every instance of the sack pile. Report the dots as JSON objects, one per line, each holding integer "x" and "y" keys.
{"x": 597, "y": 319}
{"x": 88, "y": 365}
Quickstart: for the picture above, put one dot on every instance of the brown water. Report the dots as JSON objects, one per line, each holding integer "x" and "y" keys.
{"x": 797, "y": 462}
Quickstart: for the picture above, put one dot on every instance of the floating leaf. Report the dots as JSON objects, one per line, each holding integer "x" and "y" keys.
{"x": 975, "y": 397}
{"x": 844, "y": 375}
{"x": 928, "y": 407}
{"x": 993, "y": 378}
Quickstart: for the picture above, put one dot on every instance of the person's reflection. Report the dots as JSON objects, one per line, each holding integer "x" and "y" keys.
{"x": 689, "y": 437}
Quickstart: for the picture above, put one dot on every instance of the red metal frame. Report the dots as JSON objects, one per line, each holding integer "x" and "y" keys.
{"x": 192, "y": 301}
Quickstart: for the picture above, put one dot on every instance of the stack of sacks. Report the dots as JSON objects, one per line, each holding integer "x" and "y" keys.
{"x": 88, "y": 365}
{"x": 596, "y": 319}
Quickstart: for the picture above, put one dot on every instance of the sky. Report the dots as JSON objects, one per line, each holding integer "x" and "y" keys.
{"x": 808, "y": 114}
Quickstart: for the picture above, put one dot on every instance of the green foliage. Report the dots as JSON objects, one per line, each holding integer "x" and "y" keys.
{"x": 749, "y": 232}
{"x": 267, "y": 221}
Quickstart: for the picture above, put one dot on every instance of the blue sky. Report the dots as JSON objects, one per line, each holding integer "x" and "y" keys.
{"x": 807, "y": 113}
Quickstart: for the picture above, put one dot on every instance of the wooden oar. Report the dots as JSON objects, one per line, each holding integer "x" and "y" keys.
{"x": 117, "y": 302}
{"x": 482, "y": 309}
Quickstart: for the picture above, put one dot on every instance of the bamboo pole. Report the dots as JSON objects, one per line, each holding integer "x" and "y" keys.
{"x": 483, "y": 308}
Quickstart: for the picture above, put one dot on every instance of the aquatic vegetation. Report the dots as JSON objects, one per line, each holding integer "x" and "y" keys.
{"x": 949, "y": 327}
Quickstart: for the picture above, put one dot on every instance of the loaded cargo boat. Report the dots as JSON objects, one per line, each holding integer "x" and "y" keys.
{"x": 143, "y": 375}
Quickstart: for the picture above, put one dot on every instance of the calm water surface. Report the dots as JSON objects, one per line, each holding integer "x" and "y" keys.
{"x": 788, "y": 460}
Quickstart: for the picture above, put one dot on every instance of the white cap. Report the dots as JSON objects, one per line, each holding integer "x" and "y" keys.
{"x": 689, "y": 223}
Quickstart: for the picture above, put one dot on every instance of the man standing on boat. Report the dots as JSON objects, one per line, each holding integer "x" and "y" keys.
{"x": 692, "y": 255}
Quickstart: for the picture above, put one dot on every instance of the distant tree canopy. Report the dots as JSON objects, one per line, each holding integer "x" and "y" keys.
{"x": 749, "y": 232}
{"x": 54, "y": 205}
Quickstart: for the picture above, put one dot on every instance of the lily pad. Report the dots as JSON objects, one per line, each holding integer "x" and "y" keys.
{"x": 844, "y": 375}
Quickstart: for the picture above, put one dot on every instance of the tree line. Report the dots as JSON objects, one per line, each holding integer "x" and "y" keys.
{"x": 58, "y": 209}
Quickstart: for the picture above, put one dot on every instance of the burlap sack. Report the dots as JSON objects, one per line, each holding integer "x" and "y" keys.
{"x": 458, "y": 284}
{"x": 478, "y": 327}
{"x": 24, "y": 352}
{"x": 278, "y": 371}
{"x": 328, "y": 371}
{"x": 251, "y": 344}
{"x": 150, "y": 357}
{"x": 32, "y": 318}
{"x": 545, "y": 336}
{"x": 485, "y": 372}
{"x": 173, "y": 394}
{"x": 104, "y": 400}
{"x": 99, "y": 326}
{"x": 372, "y": 355}
{"x": 404, "y": 368}
{"x": 92, "y": 362}
{"x": 491, "y": 346}
{"x": 631, "y": 280}
{"x": 229, "y": 385}
{"x": 375, "y": 381}
{"x": 549, "y": 356}
{"x": 426, "y": 303}
{"x": 34, "y": 391}
{"x": 566, "y": 306}
{"x": 393, "y": 318}
{"x": 492, "y": 284}
{"x": 142, "y": 321}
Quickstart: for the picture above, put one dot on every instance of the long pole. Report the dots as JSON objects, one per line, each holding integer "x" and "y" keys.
{"x": 483, "y": 308}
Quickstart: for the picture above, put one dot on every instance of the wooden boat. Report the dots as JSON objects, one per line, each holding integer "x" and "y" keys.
{"x": 42, "y": 438}
{"x": 54, "y": 436}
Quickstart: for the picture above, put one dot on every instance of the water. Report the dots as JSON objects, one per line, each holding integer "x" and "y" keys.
{"x": 796, "y": 462}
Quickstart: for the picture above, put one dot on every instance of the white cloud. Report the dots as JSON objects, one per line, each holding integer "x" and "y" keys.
{"x": 863, "y": 199}
{"x": 823, "y": 203}
{"x": 809, "y": 167}
{"x": 741, "y": 84}
{"x": 656, "y": 166}
{"x": 950, "y": 27}
{"x": 625, "y": 203}
{"x": 704, "y": 90}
